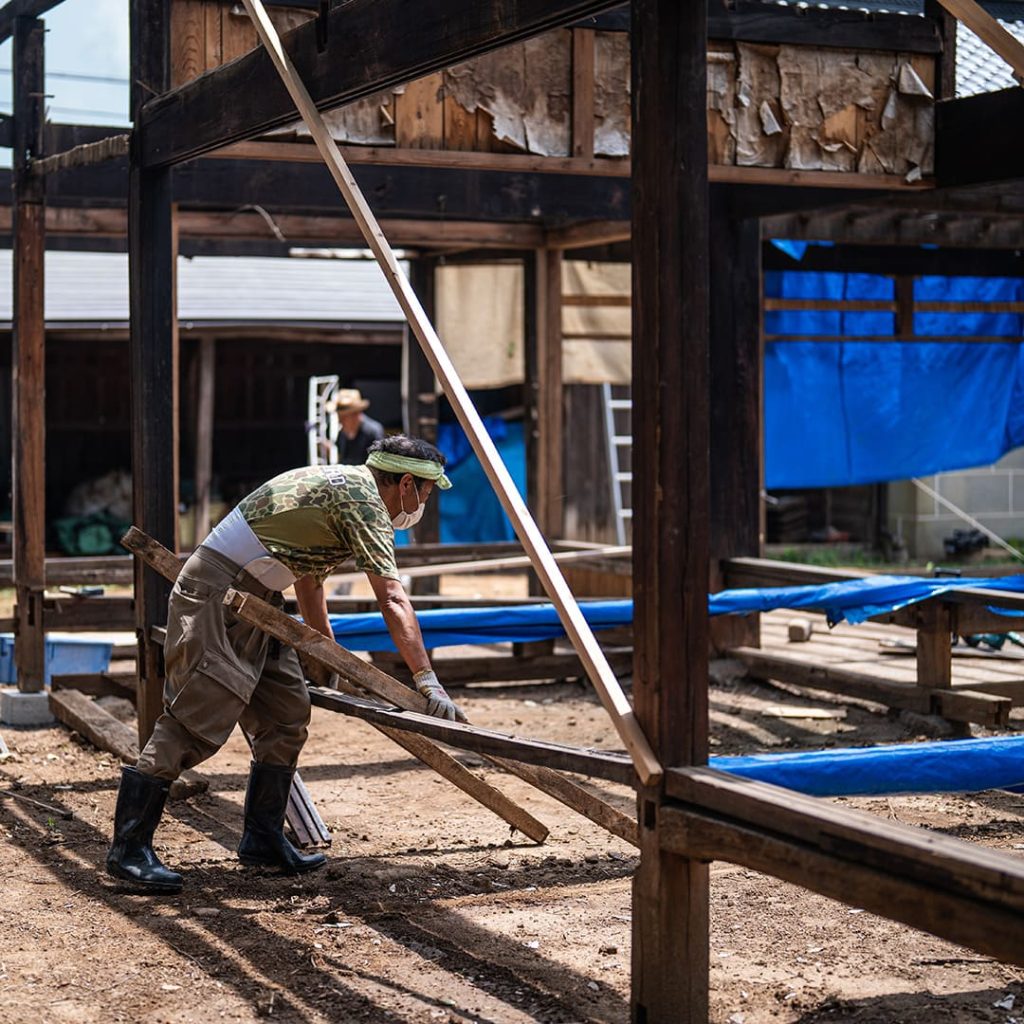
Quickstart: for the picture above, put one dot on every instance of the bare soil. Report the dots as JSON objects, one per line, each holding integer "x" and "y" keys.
{"x": 430, "y": 911}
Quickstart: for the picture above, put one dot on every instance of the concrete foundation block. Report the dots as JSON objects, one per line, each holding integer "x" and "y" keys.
{"x": 25, "y": 708}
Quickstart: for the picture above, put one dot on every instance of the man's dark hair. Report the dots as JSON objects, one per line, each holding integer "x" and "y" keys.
{"x": 411, "y": 448}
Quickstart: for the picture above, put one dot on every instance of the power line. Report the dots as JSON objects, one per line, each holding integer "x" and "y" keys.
{"x": 77, "y": 76}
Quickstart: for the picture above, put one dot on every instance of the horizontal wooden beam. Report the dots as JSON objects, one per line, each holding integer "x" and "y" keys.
{"x": 961, "y": 892}
{"x": 22, "y": 8}
{"x": 88, "y": 153}
{"x": 370, "y": 45}
{"x": 755, "y": 22}
{"x": 959, "y": 705}
{"x": 615, "y": 767}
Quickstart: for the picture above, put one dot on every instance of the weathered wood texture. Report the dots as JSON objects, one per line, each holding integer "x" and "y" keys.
{"x": 958, "y": 891}
{"x": 153, "y": 350}
{"x": 670, "y": 508}
{"x": 576, "y": 626}
{"x": 104, "y": 731}
{"x": 370, "y": 46}
{"x": 614, "y": 767}
{"x": 420, "y": 405}
{"x": 28, "y": 358}
{"x": 88, "y": 153}
{"x": 205, "y": 378}
{"x": 737, "y": 435}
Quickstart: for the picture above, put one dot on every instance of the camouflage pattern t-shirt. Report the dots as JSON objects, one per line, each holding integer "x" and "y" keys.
{"x": 313, "y": 519}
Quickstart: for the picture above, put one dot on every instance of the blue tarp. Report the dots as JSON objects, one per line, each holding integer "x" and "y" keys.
{"x": 852, "y": 412}
{"x": 854, "y": 600}
{"x": 447, "y": 626}
{"x": 959, "y": 766}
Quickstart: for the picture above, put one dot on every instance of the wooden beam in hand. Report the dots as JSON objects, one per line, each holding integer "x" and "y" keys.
{"x": 164, "y": 562}
{"x": 647, "y": 766}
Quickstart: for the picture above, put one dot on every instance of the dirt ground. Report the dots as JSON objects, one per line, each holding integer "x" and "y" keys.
{"x": 430, "y": 911}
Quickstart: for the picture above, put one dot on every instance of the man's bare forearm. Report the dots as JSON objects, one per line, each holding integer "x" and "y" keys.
{"x": 405, "y": 631}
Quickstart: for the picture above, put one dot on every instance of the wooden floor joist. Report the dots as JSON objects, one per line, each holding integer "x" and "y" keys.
{"x": 958, "y": 891}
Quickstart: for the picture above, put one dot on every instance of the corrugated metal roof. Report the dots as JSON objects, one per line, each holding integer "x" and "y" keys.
{"x": 978, "y": 69}
{"x": 92, "y": 287}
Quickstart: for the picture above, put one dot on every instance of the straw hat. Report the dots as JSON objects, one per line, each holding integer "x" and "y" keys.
{"x": 349, "y": 400}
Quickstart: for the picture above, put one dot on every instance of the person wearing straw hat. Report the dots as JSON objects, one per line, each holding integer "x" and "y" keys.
{"x": 357, "y": 430}
{"x": 294, "y": 530}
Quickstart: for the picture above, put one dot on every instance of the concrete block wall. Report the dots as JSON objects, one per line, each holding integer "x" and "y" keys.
{"x": 994, "y": 495}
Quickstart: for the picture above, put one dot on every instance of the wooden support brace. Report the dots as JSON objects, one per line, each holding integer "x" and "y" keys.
{"x": 986, "y": 28}
{"x": 607, "y": 686}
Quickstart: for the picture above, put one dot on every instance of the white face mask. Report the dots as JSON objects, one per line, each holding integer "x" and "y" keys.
{"x": 404, "y": 519}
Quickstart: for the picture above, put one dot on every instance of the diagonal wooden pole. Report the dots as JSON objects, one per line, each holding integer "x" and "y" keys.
{"x": 601, "y": 675}
{"x": 158, "y": 558}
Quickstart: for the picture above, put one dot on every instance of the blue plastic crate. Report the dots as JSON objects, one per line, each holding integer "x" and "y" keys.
{"x": 64, "y": 656}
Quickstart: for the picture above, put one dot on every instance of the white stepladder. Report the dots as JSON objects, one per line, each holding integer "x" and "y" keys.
{"x": 322, "y": 421}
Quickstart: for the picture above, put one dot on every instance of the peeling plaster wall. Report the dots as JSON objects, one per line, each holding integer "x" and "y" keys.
{"x": 611, "y": 94}
{"x": 527, "y": 90}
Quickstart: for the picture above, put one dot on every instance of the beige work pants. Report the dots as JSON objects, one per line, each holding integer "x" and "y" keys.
{"x": 222, "y": 671}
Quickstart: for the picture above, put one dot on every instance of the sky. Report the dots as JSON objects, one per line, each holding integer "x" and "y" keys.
{"x": 86, "y": 40}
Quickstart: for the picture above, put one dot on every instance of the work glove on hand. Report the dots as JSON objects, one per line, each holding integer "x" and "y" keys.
{"x": 439, "y": 704}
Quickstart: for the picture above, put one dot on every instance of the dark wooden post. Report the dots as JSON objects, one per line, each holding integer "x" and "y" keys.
{"x": 154, "y": 351}
{"x": 206, "y": 370}
{"x": 543, "y": 398}
{"x": 420, "y": 412}
{"x": 670, "y": 472}
{"x": 29, "y": 356}
{"x": 737, "y": 439}
{"x": 945, "y": 78}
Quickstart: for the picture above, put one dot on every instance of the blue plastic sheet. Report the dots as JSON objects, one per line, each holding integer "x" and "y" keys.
{"x": 470, "y": 512}
{"x": 852, "y": 412}
{"x": 853, "y": 600}
{"x": 447, "y": 626}
{"x": 958, "y": 766}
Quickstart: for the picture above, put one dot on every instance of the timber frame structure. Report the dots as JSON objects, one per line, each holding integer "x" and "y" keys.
{"x": 696, "y": 357}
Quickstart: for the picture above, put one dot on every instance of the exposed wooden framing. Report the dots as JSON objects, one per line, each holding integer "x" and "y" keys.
{"x": 206, "y": 369}
{"x": 457, "y": 671}
{"x": 615, "y": 767}
{"x": 298, "y": 230}
{"x": 28, "y": 357}
{"x": 998, "y": 39}
{"x": 617, "y": 167}
{"x": 419, "y": 396}
{"x": 958, "y": 891}
{"x": 153, "y": 352}
{"x": 670, "y": 510}
{"x": 7, "y": 131}
{"x": 576, "y": 627}
{"x": 98, "y": 684}
{"x": 14, "y": 9}
{"x": 431, "y": 35}
{"x": 737, "y": 433}
{"x": 945, "y": 71}
{"x": 583, "y": 93}
{"x": 82, "y": 156}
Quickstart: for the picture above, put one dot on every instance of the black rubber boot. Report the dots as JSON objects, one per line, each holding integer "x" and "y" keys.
{"x": 140, "y": 802}
{"x": 264, "y": 843}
